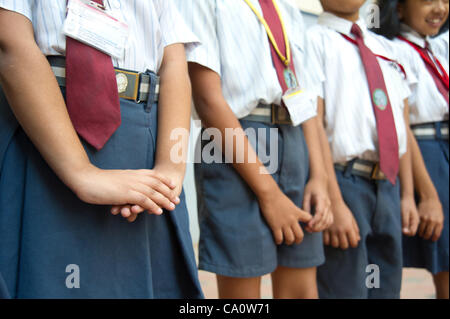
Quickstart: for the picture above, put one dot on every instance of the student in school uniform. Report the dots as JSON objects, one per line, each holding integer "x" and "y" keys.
{"x": 413, "y": 25}
{"x": 364, "y": 112}
{"x": 58, "y": 238}
{"x": 256, "y": 220}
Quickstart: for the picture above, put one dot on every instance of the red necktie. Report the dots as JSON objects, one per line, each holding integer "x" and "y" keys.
{"x": 271, "y": 16}
{"x": 439, "y": 80}
{"x": 387, "y": 133}
{"x": 91, "y": 92}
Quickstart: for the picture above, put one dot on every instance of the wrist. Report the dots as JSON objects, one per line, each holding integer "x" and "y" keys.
{"x": 407, "y": 196}
{"x": 266, "y": 189}
{"x": 179, "y": 169}
{"x": 77, "y": 178}
{"x": 428, "y": 193}
{"x": 319, "y": 175}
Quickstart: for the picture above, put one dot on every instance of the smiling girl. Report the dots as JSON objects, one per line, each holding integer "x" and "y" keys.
{"x": 419, "y": 27}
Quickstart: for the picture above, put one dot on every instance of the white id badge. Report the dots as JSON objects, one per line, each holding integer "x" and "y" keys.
{"x": 88, "y": 23}
{"x": 299, "y": 105}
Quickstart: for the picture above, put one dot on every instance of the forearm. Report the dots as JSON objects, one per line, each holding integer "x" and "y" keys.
{"x": 333, "y": 186}
{"x": 423, "y": 184}
{"x": 406, "y": 170}
{"x": 216, "y": 113}
{"x": 250, "y": 168}
{"x": 37, "y": 102}
{"x": 316, "y": 160}
{"x": 174, "y": 111}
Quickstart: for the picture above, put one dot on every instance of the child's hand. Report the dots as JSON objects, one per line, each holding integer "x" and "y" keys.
{"x": 344, "y": 232}
{"x": 316, "y": 194}
{"x": 131, "y": 212}
{"x": 410, "y": 216}
{"x": 146, "y": 188}
{"x": 283, "y": 217}
{"x": 431, "y": 219}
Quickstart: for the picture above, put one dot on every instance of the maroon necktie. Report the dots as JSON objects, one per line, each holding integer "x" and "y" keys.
{"x": 91, "y": 92}
{"x": 271, "y": 16}
{"x": 443, "y": 89}
{"x": 387, "y": 133}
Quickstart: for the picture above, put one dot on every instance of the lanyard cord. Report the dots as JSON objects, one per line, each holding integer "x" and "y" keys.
{"x": 379, "y": 56}
{"x": 285, "y": 59}
{"x": 442, "y": 74}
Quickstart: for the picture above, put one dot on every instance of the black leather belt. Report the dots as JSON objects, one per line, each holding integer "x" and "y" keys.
{"x": 270, "y": 114}
{"x": 135, "y": 86}
{"x": 363, "y": 168}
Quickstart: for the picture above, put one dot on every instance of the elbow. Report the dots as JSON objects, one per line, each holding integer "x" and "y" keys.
{"x": 207, "y": 105}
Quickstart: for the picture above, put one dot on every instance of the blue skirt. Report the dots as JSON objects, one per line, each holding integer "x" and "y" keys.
{"x": 418, "y": 252}
{"x": 52, "y": 245}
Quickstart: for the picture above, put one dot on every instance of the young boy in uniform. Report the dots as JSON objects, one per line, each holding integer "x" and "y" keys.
{"x": 252, "y": 220}
{"x": 364, "y": 113}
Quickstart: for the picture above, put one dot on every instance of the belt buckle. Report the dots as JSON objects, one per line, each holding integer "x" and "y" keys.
{"x": 377, "y": 174}
{"x": 275, "y": 116}
{"x": 124, "y": 86}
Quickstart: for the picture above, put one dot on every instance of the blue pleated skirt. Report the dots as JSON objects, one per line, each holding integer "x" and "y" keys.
{"x": 420, "y": 253}
{"x": 52, "y": 245}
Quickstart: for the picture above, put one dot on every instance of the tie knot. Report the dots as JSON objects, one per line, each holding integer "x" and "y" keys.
{"x": 356, "y": 30}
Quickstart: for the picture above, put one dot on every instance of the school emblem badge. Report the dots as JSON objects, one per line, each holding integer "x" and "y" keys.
{"x": 290, "y": 79}
{"x": 380, "y": 99}
{"x": 122, "y": 82}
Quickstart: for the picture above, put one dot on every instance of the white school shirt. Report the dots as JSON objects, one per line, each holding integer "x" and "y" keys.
{"x": 426, "y": 102}
{"x": 349, "y": 116}
{"x": 234, "y": 44}
{"x": 153, "y": 25}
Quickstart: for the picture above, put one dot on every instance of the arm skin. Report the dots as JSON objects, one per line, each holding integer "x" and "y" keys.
{"x": 430, "y": 208}
{"x": 344, "y": 232}
{"x": 36, "y": 101}
{"x": 279, "y": 211}
{"x": 316, "y": 191}
{"x": 410, "y": 216}
{"x": 174, "y": 112}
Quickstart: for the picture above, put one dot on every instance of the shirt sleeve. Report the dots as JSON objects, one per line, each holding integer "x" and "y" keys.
{"x": 24, "y": 7}
{"x": 299, "y": 58}
{"x": 409, "y": 61}
{"x": 173, "y": 27}
{"x": 201, "y": 17}
{"x": 440, "y": 46}
{"x": 314, "y": 75}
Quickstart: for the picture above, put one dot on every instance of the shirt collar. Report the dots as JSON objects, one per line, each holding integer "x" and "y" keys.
{"x": 341, "y": 25}
{"x": 413, "y": 36}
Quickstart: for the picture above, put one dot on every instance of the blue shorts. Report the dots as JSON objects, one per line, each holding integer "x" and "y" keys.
{"x": 49, "y": 236}
{"x": 235, "y": 240}
{"x": 376, "y": 208}
{"x": 418, "y": 252}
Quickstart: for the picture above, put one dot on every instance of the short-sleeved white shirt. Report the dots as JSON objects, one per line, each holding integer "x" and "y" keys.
{"x": 349, "y": 115}
{"x": 426, "y": 103}
{"x": 153, "y": 24}
{"x": 234, "y": 44}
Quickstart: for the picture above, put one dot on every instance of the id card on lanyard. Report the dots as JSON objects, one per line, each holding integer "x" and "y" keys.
{"x": 90, "y": 23}
{"x": 297, "y": 101}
